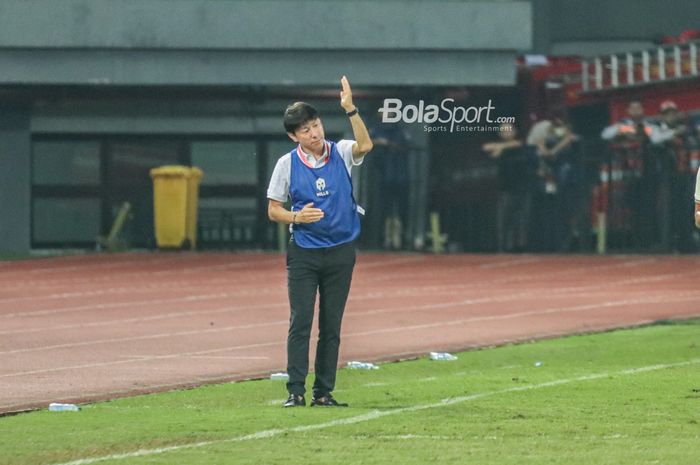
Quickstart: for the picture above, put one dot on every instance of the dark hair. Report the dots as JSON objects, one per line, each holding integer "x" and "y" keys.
{"x": 297, "y": 114}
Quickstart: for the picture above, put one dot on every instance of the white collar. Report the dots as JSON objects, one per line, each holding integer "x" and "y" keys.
{"x": 310, "y": 160}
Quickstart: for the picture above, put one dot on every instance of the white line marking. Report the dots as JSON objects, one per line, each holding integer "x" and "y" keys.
{"x": 134, "y": 275}
{"x": 375, "y": 414}
{"x": 195, "y": 297}
{"x": 124, "y": 321}
{"x": 513, "y": 262}
{"x": 415, "y": 291}
{"x": 374, "y": 280}
{"x": 577, "y": 308}
{"x": 91, "y": 307}
{"x": 157, "y": 286}
{"x": 487, "y": 300}
{"x": 398, "y": 261}
{"x": 394, "y": 329}
{"x": 590, "y": 269}
{"x": 126, "y": 274}
{"x": 107, "y": 264}
{"x": 122, "y": 289}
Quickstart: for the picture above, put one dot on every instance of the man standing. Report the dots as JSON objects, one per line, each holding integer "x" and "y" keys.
{"x": 324, "y": 223}
{"x": 697, "y": 200}
{"x": 517, "y": 166}
{"x": 632, "y": 149}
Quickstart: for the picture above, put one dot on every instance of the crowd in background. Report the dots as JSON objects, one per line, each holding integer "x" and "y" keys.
{"x": 652, "y": 164}
{"x": 648, "y": 174}
{"x": 541, "y": 187}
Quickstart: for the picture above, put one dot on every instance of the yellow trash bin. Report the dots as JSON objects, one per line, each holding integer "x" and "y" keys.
{"x": 175, "y": 198}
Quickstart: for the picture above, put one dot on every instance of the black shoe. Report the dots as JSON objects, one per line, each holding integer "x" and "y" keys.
{"x": 295, "y": 400}
{"x": 326, "y": 401}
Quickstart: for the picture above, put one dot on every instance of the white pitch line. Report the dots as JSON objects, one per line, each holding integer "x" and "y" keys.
{"x": 375, "y": 414}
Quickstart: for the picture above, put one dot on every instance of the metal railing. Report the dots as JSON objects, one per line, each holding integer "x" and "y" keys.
{"x": 661, "y": 64}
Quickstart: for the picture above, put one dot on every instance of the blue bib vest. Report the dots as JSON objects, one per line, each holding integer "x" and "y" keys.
{"x": 330, "y": 189}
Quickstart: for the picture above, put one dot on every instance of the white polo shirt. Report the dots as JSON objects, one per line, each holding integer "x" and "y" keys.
{"x": 280, "y": 180}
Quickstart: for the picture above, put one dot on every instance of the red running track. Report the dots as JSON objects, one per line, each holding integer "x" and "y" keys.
{"x": 91, "y": 327}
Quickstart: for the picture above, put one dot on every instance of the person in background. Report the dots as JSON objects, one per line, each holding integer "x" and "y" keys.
{"x": 392, "y": 156}
{"x": 636, "y": 127}
{"x": 697, "y": 200}
{"x": 557, "y": 203}
{"x": 516, "y": 172}
{"x": 631, "y": 146}
{"x": 679, "y": 144}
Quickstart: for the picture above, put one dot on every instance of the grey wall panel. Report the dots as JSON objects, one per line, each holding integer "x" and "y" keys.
{"x": 621, "y": 19}
{"x": 266, "y": 24}
{"x": 15, "y": 181}
{"x": 150, "y": 125}
{"x": 256, "y": 68}
{"x": 575, "y": 27}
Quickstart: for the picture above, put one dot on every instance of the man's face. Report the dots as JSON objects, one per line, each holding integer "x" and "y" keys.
{"x": 671, "y": 117}
{"x": 635, "y": 111}
{"x": 310, "y": 135}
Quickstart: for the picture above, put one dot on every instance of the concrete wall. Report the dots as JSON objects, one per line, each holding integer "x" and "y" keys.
{"x": 267, "y": 42}
{"x": 574, "y": 27}
{"x": 265, "y": 24}
{"x": 15, "y": 181}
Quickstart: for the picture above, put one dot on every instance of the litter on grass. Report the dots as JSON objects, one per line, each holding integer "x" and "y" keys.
{"x": 442, "y": 356}
{"x": 58, "y": 407}
{"x": 355, "y": 365}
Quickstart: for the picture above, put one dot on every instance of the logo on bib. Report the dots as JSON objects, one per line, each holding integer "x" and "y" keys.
{"x": 321, "y": 186}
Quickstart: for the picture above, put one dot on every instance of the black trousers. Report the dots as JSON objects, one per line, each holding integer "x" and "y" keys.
{"x": 326, "y": 272}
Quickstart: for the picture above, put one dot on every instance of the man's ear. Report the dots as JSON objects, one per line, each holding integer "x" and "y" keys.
{"x": 293, "y": 137}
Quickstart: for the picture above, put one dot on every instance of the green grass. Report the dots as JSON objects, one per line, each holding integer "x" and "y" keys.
{"x": 598, "y": 408}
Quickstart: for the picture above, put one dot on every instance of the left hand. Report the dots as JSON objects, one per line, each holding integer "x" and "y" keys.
{"x": 346, "y": 95}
